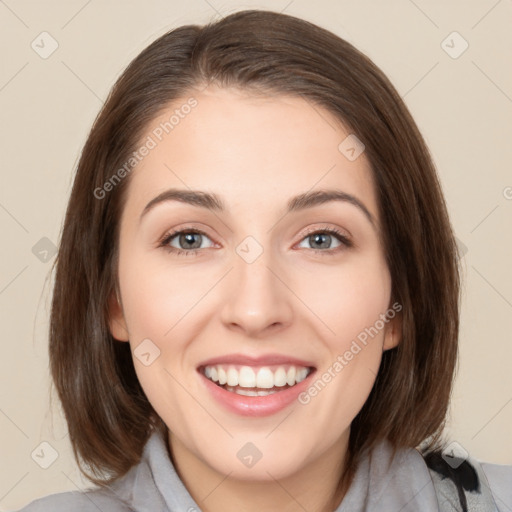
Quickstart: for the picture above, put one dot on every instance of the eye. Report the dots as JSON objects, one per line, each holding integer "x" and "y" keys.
{"x": 190, "y": 241}
{"x": 321, "y": 240}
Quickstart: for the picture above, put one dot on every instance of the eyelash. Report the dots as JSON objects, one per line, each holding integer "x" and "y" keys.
{"x": 164, "y": 242}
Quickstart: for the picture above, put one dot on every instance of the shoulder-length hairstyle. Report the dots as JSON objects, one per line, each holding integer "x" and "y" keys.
{"x": 108, "y": 415}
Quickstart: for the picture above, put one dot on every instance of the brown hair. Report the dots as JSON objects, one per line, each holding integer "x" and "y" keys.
{"x": 108, "y": 415}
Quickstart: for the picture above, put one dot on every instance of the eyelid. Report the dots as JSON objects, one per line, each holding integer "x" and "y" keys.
{"x": 328, "y": 228}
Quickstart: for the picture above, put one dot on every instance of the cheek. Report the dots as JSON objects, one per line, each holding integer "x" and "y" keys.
{"x": 156, "y": 300}
{"x": 162, "y": 304}
{"x": 349, "y": 298}
{"x": 157, "y": 297}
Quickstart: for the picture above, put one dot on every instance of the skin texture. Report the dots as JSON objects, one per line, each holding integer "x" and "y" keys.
{"x": 256, "y": 152}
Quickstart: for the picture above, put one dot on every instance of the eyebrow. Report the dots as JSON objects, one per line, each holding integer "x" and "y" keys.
{"x": 213, "y": 202}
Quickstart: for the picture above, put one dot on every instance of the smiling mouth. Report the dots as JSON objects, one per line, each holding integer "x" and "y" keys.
{"x": 255, "y": 381}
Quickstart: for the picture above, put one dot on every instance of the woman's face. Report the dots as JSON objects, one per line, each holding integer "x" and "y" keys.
{"x": 256, "y": 298}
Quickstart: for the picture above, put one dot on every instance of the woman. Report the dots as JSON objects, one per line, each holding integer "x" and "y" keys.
{"x": 300, "y": 351}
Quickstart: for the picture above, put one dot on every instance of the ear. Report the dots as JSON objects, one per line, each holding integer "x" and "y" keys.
{"x": 116, "y": 321}
{"x": 393, "y": 332}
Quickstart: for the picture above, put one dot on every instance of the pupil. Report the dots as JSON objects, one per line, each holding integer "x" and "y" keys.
{"x": 188, "y": 238}
{"x": 320, "y": 236}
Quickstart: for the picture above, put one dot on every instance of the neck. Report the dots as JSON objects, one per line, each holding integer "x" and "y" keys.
{"x": 314, "y": 487}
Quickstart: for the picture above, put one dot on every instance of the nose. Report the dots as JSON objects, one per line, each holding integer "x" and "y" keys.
{"x": 257, "y": 299}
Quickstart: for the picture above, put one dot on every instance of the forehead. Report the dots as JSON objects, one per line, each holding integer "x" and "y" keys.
{"x": 253, "y": 150}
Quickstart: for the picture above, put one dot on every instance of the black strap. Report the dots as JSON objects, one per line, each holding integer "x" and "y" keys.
{"x": 460, "y": 486}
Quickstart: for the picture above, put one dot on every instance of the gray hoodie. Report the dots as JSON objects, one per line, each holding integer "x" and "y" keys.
{"x": 154, "y": 486}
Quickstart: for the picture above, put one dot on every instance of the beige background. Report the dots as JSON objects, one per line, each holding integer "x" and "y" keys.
{"x": 462, "y": 105}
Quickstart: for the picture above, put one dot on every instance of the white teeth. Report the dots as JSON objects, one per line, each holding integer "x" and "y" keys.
{"x": 232, "y": 377}
{"x": 250, "y": 392}
{"x": 280, "y": 377}
{"x": 290, "y": 376}
{"x": 222, "y": 375}
{"x": 265, "y": 378}
{"x": 265, "y": 393}
{"x": 301, "y": 375}
{"x": 246, "y": 392}
{"x": 249, "y": 377}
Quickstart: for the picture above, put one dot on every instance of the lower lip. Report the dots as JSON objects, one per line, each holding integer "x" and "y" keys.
{"x": 256, "y": 405}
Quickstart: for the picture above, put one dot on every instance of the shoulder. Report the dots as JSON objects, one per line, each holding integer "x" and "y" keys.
{"x": 78, "y": 501}
{"x": 136, "y": 490}
{"x": 499, "y": 477}
{"x": 475, "y": 483}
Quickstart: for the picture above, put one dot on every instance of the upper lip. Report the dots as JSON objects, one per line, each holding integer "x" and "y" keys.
{"x": 262, "y": 360}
